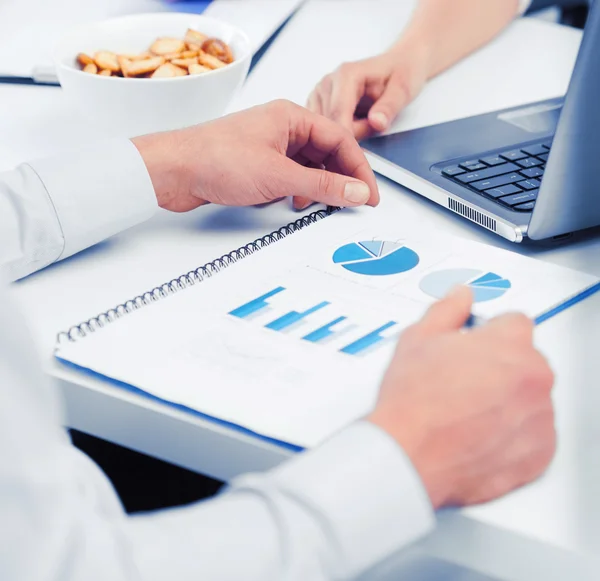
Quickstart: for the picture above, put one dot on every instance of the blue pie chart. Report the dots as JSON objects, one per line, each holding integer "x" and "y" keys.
{"x": 485, "y": 285}
{"x": 376, "y": 257}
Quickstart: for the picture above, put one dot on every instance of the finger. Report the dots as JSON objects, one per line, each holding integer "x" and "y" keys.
{"x": 345, "y": 95}
{"x": 317, "y": 185}
{"x": 392, "y": 101}
{"x": 301, "y": 203}
{"x": 449, "y": 314}
{"x": 323, "y": 141}
{"x": 314, "y": 102}
{"x": 514, "y": 326}
{"x": 361, "y": 129}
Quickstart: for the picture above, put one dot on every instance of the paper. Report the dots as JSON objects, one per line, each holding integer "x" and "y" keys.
{"x": 293, "y": 342}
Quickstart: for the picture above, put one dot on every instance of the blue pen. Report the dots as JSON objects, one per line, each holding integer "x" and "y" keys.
{"x": 474, "y": 321}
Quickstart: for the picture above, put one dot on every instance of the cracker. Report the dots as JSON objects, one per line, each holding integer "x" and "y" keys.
{"x": 138, "y": 68}
{"x": 168, "y": 70}
{"x": 105, "y": 73}
{"x": 164, "y": 46}
{"x": 210, "y": 61}
{"x": 198, "y": 69}
{"x": 92, "y": 69}
{"x": 219, "y": 49}
{"x": 107, "y": 60}
{"x": 194, "y": 38}
{"x": 184, "y": 63}
{"x": 84, "y": 59}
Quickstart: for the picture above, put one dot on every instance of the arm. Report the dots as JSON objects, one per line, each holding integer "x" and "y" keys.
{"x": 367, "y": 95}
{"x": 326, "y": 515}
{"x": 55, "y": 207}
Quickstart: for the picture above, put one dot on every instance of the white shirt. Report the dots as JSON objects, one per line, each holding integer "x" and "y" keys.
{"x": 328, "y": 514}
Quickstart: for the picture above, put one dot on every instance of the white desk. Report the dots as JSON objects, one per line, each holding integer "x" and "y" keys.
{"x": 562, "y": 509}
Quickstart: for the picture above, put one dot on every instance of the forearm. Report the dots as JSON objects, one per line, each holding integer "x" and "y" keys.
{"x": 442, "y": 32}
{"x": 55, "y": 207}
{"x": 329, "y": 514}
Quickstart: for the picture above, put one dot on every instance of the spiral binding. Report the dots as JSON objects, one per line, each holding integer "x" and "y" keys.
{"x": 190, "y": 279}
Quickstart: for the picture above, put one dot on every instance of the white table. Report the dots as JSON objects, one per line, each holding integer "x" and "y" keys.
{"x": 563, "y": 508}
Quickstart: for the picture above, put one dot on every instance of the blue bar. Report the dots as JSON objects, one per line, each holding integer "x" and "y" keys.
{"x": 293, "y": 317}
{"x": 367, "y": 341}
{"x": 256, "y": 305}
{"x": 323, "y": 332}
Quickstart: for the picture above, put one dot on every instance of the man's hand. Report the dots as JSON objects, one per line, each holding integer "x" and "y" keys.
{"x": 258, "y": 156}
{"x": 471, "y": 409}
{"x": 366, "y": 96}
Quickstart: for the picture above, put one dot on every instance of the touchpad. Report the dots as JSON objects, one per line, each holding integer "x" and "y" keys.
{"x": 541, "y": 118}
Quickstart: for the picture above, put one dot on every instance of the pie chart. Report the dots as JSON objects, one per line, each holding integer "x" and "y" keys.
{"x": 376, "y": 257}
{"x": 486, "y": 286}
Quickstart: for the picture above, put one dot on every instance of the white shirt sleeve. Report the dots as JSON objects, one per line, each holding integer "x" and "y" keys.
{"x": 329, "y": 514}
{"x": 55, "y": 207}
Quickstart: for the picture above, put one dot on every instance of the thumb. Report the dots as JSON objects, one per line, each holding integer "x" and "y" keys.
{"x": 395, "y": 97}
{"x": 323, "y": 186}
{"x": 449, "y": 314}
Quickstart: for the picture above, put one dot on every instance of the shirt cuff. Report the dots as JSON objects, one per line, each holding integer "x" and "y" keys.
{"x": 97, "y": 191}
{"x": 369, "y": 491}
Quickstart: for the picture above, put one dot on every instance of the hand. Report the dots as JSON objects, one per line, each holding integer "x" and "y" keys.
{"x": 471, "y": 409}
{"x": 258, "y": 156}
{"x": 366, "y": 96}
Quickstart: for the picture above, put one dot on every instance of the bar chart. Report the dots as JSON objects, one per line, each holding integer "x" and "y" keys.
{"x": 351, "y": 334}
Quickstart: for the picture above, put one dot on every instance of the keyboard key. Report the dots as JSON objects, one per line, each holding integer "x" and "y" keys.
{"x": 509, "y": 178}
{"x": 543, "y": 157}
{"x": 526, "y": 207}
{"x": 493, "y": 160}
{"x": 488, "y": 172}
{"x": 472, "y": 165}
{"x": 547, "y": 144}
{"x": 521, "y": 198}
{"x": 532, "y": 172}
{"x": 513, "y": 155}
{"x": 530, "y": 162}
{"x": 453, "y": 170}
{"x": 503, "y": 191}
{"x": 536, "y": 149}
{"x": 529, "y": 184}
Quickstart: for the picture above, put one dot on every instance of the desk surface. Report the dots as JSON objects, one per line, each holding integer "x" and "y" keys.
{"x": 563, "y": 508}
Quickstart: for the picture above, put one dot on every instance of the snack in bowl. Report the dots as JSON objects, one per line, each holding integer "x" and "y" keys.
{"x": 151, "y": 92}
{"x": 195, "y": 54}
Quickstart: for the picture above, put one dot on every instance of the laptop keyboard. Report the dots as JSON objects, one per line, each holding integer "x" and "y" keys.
{"x": 511, "y": 177}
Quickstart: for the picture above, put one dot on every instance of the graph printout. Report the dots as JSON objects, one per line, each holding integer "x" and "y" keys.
{"x": 293, "y": 341}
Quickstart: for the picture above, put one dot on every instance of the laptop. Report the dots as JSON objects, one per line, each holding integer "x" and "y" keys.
{"x": 529, "y": 172}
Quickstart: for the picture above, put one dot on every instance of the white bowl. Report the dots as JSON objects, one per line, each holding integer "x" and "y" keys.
{"x": 129, "y": 107}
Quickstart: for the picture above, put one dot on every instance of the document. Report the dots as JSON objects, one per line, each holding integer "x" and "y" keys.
{"x": 293, "y": 341}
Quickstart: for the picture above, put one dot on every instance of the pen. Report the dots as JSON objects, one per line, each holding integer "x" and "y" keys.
{"x": 474, "y": 321}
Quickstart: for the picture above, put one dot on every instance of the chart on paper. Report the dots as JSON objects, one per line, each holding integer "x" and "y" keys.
{"x": 337, "y": 325}
{"x": 486, "y": 286}
{"x": 376, "y": 257}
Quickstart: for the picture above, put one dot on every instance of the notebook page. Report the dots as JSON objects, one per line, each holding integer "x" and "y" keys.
{"x": 292, "y": 342}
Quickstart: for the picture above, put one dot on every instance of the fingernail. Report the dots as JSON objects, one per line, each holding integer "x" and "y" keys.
{"x": 380, "y": 120}
{"x": 357, "y": 193}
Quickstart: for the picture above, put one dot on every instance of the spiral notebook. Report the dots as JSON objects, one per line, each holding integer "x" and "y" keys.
{"x": 289, "y": 337}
